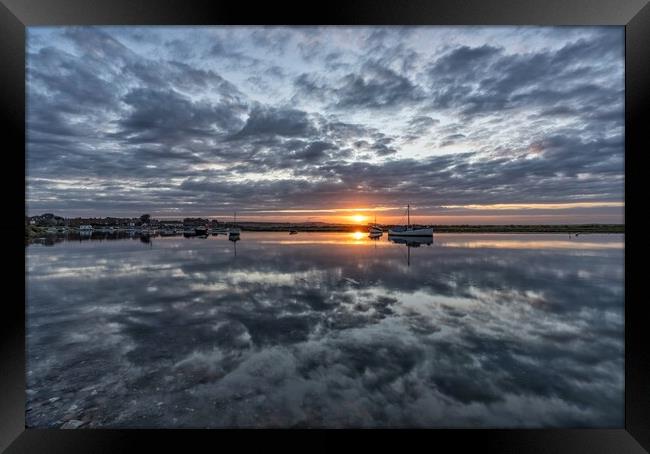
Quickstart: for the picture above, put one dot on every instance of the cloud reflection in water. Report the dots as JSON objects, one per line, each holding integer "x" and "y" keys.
{"x": 479, "y": 331}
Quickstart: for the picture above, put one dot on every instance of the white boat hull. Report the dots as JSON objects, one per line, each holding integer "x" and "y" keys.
{"x": 412, "y": 232}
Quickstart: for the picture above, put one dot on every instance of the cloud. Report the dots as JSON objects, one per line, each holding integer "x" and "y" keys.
{"x": 486, "y": 79}
{"x": 276, "y": 122}
{"x": 376, "y": 115}
{"x": 375, "y": 86}
{"x": 168, "y": 117}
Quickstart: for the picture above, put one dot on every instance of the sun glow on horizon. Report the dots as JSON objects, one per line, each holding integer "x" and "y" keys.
{"x": 358, "y": 218}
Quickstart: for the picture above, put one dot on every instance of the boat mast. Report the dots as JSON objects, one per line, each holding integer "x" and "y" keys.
{"x": 408, "y": 214}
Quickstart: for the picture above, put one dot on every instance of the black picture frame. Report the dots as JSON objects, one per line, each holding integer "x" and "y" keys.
{"x": 16, "y": 15}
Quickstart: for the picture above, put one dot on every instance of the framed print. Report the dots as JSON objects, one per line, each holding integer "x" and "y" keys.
{"x": 412, "y": 219}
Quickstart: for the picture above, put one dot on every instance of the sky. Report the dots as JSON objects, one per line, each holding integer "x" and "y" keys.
{"x": 468, "y": 125}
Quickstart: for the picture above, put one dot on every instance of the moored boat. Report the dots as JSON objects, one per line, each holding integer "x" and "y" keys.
{"x": 375, "y": 229}
{"x": 219, "y": 229}
{"x": 409, "y": 230}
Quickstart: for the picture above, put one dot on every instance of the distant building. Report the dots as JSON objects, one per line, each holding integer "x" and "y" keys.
{"x": 47, "y": 220}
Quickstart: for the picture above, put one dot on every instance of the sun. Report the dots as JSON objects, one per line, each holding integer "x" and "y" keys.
{"x": 358, "y": 218}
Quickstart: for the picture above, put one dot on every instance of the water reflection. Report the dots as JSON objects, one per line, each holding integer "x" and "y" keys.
{"x": 411, "y": 241}
{"x": 234, "y": 237}
{"x": 327, "y": 330}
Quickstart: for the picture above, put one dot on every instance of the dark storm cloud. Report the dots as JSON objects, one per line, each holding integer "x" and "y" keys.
{"x": 103, "y": 105}
{"x": 315, "y": 151}
{"x": 480, "y": 80}
{"x": 167, "y": 116}
{"x": 427, "y": 181}
{"x": 374, "y": 86}
{"x": 69, "y": 80}
{"x": 309, "y": 85}
{"x": 281, "y": 122}
{"x": 181, "y": 76}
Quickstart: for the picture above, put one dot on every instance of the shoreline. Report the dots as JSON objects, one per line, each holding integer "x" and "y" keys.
{"x": 34, "y": 232}
{"x": 523, "y": 228}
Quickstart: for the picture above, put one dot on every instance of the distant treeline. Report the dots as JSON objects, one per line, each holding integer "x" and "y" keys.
{"x": 568, "y": 228}
{"x": 49, "y": 220}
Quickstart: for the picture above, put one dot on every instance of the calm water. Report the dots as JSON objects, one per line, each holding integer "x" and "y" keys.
{"x": 327, "y": 329}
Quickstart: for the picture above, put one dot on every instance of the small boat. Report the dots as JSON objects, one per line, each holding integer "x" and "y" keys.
{"x": 234, "y": 236}
{"x": 409, "y": 230}
{"x": 219, "y": 230}
{"x": 293, "y": 232}
{"x": 201, "y": 230}
{"x": 375, "y": 235}
{"x": 375, "y": 229}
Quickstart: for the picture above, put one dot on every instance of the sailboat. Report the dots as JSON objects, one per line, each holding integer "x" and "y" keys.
{"x": 374, "y": 229}
{"x": 409, "y": 230}
{"x": 234, "y": 231}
